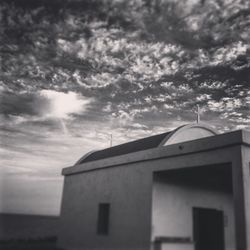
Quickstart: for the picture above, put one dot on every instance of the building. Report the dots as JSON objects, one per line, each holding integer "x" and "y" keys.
{"x": 188, "y": 189}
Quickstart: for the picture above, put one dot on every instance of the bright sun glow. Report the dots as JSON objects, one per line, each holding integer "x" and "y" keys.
{"x": 63, "y": 104}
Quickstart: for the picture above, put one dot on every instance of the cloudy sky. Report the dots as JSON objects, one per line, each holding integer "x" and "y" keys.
{"x": 74, "y": 71}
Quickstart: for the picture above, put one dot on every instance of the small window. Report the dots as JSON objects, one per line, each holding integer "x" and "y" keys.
{"x": 103, "y": 219}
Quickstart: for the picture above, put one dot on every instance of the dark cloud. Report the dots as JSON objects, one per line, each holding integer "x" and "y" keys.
{"x": 20, "y": 104}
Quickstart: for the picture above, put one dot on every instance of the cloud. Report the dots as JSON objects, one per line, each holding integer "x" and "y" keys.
{"x": 23, "y": 103}
{"x": 62, "y": 105}
{"x": 226, "y": 104}
{"x": 43, "y": 104}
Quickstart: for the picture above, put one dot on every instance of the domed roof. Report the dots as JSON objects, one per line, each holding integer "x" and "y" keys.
{"x": 182, "y": 134}
{"x": 188, "y": 133}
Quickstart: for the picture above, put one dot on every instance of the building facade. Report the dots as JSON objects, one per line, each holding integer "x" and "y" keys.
{"x": 188, "y": 189}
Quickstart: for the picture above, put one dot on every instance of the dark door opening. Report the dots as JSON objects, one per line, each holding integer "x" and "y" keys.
{"x": 208, "y": 229}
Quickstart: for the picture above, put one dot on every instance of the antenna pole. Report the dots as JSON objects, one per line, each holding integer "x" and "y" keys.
{"x": 108, "y": 136}
{"x": 111, "y": 139}
{"x": 198, "y": 114}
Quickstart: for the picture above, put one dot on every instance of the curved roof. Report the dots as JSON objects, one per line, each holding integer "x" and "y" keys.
{"x": 188, "y": 133}
{"x": 181, "y": 134}
{"x": 126, "y": 148}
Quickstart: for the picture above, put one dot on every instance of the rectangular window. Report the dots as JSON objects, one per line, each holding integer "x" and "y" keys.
{"x": 103, "y": 219}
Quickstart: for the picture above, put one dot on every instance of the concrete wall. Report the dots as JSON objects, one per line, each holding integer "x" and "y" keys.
{"x": 127, "y": 189}
{"x": 246, "y": 186}
{"x": 172, "y": 210}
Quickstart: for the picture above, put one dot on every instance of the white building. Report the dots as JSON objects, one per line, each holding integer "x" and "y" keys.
{"x": 188, "y": 189}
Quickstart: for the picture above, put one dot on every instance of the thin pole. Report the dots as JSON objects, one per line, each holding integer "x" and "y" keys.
{"x": 107, "y": 136}
{"x": 111, "y": 139}
{"x": 198, "y": 114}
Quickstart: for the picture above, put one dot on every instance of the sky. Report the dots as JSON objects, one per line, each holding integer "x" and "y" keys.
{"x": 73, "y": 72}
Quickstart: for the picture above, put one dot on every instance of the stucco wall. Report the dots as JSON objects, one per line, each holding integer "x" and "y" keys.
{"x": 127, "y": 189}
{"x": 172, "y": 209}
{"x": 246, "y": 183}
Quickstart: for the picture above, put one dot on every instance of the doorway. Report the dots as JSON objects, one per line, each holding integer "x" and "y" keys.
{"x": 208, "y": 229}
